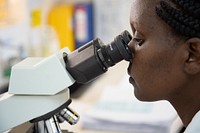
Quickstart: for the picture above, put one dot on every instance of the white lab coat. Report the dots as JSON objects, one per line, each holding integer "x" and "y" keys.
{"x": 194, "y": 126}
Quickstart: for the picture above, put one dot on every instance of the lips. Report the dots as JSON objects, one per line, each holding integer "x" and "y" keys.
{"x": 131, "y": 80}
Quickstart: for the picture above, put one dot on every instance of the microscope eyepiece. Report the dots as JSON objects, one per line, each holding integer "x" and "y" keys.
{"x": 94, "y": 58}
{"x": 116, "y": 51}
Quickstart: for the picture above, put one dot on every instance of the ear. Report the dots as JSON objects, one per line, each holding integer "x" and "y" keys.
{"x": 192, "y": 63}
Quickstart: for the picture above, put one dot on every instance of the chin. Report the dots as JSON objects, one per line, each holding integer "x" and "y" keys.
{"x": 145, "y": 97}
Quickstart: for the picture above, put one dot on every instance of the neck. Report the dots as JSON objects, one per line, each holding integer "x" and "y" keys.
{"x": 187, "y": 104}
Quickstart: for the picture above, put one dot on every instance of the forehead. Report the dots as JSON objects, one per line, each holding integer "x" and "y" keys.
{"x": 143, "y": 14}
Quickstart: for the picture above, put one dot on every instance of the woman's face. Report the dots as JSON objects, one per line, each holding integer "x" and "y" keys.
{"x": 156, "y": 69}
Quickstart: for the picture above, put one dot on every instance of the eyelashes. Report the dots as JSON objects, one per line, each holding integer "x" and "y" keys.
{"x": 138, "y": 41}
{"x": 137, "y": 38}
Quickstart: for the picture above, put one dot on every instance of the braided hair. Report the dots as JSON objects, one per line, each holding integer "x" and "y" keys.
{"x": 184, "y": 18}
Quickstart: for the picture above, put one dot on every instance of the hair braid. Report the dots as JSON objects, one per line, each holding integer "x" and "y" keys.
{"x": 181, "y": 19}
{"x": 192, "y": 6}
{"x": 187, "y": 20}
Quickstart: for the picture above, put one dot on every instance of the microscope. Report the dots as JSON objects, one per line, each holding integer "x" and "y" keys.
{"x": 38, "y": 87}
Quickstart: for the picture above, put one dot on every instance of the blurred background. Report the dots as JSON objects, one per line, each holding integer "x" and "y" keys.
{"x": 41, "y": 27}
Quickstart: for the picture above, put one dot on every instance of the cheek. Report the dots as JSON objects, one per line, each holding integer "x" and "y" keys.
{"x": 150, "y": 71}
{"x": 146, "y": 71}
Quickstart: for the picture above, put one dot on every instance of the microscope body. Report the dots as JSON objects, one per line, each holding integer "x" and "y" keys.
{"x": 37, "y": 87}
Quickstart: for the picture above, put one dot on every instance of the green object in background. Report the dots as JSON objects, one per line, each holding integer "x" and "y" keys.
{"x": 7, "y": 69}
{"x": 7, "y": 72}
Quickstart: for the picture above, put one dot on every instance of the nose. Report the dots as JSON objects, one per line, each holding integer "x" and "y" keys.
{"x": 132, "y": 49}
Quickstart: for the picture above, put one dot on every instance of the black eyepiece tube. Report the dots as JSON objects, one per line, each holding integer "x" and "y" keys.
{"x": 94, "y": 58}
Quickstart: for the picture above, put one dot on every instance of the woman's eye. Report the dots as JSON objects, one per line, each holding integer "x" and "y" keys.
{"x": 138, "y": 41}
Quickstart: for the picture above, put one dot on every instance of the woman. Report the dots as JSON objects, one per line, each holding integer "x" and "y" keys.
{"x": 166, "y": 50}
